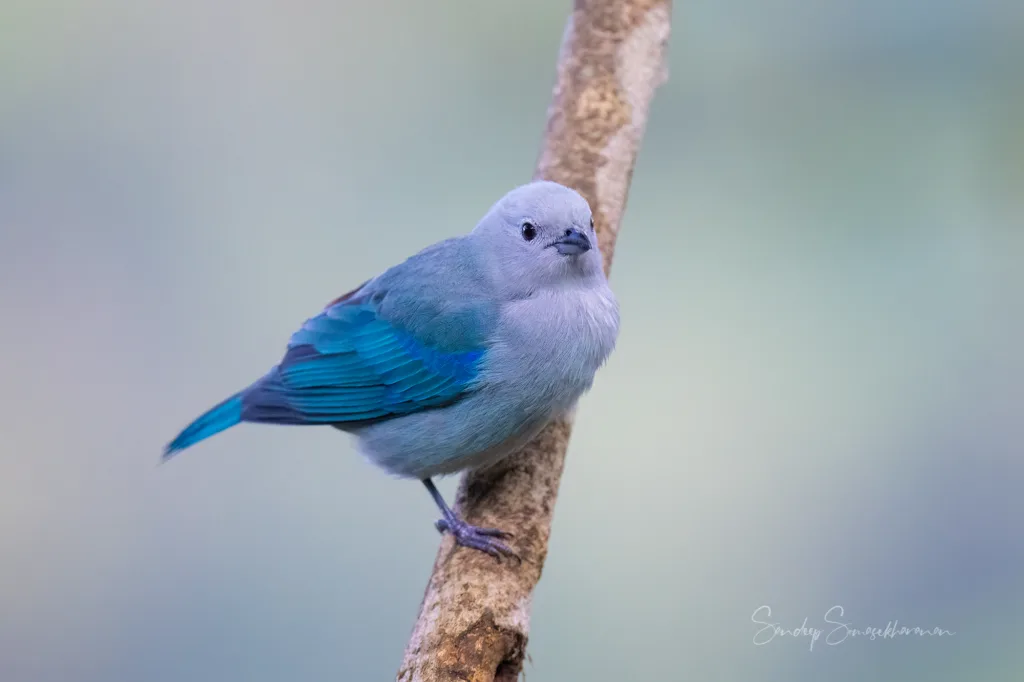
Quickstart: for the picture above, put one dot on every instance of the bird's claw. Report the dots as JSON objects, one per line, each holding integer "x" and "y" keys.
{"x": 488, "y": 540}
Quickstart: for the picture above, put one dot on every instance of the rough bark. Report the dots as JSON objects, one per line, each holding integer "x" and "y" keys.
{"x": 475, "y": 616}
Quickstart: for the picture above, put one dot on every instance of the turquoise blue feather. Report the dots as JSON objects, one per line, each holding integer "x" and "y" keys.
{"x": 348, "y": 364}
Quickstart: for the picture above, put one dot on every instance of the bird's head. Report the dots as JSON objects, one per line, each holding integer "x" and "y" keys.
{"x": 541, "y": 235}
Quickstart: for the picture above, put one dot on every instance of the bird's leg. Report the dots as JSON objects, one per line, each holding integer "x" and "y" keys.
{"x": 484, "y": 539}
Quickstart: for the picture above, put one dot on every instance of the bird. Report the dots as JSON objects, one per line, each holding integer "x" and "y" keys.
{"x": 454, "y": 358}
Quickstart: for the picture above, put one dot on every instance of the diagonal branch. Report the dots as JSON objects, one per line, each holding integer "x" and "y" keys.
{"x": 475, "y": 616}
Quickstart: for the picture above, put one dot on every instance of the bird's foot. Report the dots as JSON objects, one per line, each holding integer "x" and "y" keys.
{"x": 487, "y": 540}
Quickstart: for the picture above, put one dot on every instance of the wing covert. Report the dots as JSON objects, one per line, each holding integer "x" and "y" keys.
{"x": 348, "y": 364}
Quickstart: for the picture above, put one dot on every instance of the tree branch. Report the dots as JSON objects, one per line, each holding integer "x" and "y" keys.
{"x": 475, "y": 616}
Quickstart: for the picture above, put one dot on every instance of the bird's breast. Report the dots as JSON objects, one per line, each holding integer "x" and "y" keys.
{"x": 548, "y": 347}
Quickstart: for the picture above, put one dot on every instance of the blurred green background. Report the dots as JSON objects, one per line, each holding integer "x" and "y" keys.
{"x": 816, "y": 399}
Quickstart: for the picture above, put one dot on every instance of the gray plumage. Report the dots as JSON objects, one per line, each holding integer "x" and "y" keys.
{"x": 549, "y": 322}
{"x": 457, "y": 356}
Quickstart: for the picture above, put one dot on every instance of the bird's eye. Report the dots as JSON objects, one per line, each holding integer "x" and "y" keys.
{"x": 591, "y": 224}
{"x": 529, "y": 231}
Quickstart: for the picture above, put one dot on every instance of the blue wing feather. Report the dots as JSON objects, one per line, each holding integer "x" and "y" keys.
{"x": 349, "y": 364}
{"x": 411, "y": 339}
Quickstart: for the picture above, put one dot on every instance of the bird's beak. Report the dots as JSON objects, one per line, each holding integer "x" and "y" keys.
{"x": 572, "y": 243}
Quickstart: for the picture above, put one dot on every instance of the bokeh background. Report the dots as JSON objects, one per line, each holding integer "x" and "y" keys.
{"x": 817, "y": 399}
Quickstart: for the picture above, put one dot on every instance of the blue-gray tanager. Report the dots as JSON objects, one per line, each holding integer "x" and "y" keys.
{"x": 454, "y": 358}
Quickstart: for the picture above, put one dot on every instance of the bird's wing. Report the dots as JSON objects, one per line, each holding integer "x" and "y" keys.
{"x": 392, "y": 347}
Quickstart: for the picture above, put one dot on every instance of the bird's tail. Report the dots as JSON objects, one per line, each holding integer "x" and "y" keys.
{"x": 223, "y": 416}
